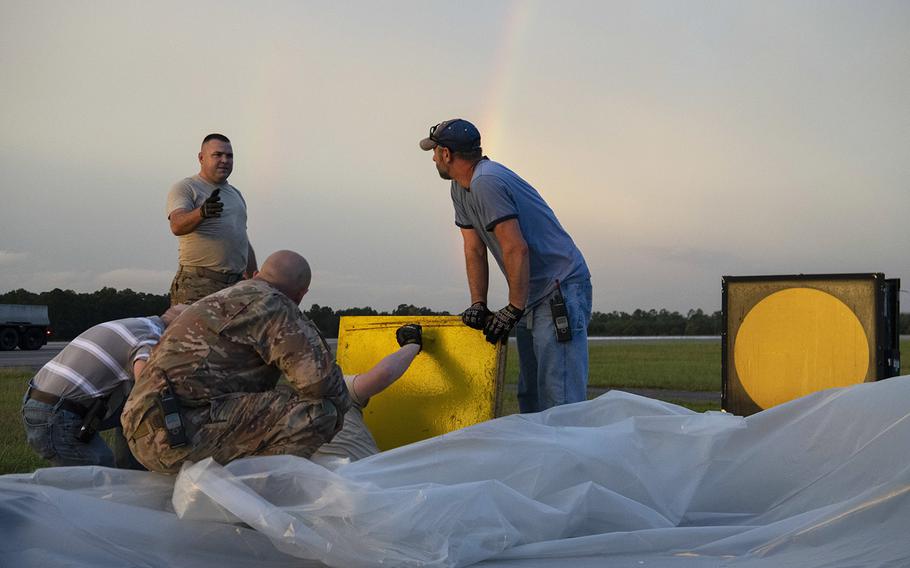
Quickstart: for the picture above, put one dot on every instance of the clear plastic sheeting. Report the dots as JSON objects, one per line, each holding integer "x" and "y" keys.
{"x": 618, "y": 481}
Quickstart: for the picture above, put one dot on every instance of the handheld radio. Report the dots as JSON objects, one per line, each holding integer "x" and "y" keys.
{"x": 560, "y": 316}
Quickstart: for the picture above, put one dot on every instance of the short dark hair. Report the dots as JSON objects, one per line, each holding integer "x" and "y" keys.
{"x": 471, "y": 155}
{"x": 215, "y": 136}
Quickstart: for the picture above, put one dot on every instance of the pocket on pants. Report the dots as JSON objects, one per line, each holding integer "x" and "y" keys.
{"x": 70, "y": 451}
{"x": 578, "y": 304}
{"x": 38, "y": 431}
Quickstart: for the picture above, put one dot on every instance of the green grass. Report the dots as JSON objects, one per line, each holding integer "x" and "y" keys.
{"x": 676, "y": 365}
{"x": 673, "y": 365}
{"x": 15, "y": 455}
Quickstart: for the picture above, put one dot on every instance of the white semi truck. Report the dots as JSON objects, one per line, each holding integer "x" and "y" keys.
{"x": 25, "y": 327}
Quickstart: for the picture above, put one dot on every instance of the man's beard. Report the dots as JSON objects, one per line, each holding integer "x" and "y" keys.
{"x": 443, "y": 174}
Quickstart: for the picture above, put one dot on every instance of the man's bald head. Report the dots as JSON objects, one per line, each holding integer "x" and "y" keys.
{"x": 287, "y": 271}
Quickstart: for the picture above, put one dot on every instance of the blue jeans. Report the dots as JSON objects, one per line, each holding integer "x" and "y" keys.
{"x": 553, "y": 373}
{"x": 51, "y": 433}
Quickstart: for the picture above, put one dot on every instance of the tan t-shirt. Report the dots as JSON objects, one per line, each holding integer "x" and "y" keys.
{"x": 218, "y": 243}
{"x": 354, "y": 441}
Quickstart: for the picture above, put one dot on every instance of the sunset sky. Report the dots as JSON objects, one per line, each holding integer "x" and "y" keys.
{"x": 677, "y": 141}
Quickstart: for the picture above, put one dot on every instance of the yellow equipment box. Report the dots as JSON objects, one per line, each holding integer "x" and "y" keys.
{"x": 788, "y": 336}
{"x": 454, "y": 382}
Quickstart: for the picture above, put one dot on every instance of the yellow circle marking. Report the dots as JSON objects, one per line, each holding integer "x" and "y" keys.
{"x": 798, "y": 341}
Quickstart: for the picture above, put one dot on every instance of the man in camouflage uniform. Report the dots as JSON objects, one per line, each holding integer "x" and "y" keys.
{"x": 222, "y": 359}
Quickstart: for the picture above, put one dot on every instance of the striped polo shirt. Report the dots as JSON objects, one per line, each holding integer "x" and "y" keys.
{"x": 100, "y": 360}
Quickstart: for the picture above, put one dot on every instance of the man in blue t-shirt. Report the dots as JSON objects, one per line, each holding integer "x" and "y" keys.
{"x": 549, "y": 282}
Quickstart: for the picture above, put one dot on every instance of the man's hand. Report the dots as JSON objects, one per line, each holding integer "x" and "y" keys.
{"x": 476, "y": 316}
{"x": 212, "y": 206}
{"x": 501, "y": 323}
{"x": 409, "y": 334}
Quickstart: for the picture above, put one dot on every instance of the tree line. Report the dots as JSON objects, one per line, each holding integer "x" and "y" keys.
{"x": 71, "y": 313}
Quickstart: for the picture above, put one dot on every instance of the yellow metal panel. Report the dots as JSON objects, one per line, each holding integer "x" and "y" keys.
{"x": 454, "y": 382}
{"x": 798, "y": 341}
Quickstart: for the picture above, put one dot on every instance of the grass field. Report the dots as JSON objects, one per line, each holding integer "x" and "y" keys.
{"x": 676, "y": 365}
{"x": 15, "y": 455}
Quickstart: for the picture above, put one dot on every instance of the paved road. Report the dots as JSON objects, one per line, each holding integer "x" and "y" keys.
{"x": 31, "y": 359}
{"x": 37, "y": 359}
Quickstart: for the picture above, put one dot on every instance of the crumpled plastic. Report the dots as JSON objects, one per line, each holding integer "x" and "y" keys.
{"x": 620, "y": 480}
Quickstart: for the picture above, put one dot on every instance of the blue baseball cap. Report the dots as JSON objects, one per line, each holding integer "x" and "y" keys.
{"x": 457, "y": 135}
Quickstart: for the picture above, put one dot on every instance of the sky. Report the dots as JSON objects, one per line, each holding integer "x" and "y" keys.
{"x": 676, "y": 141}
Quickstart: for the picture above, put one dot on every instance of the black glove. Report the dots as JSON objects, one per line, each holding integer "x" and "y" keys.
{"x": 476, "y": 316}
{"x": 409, "y": 334}
{"x": 212, "y": 206}
{"x": 502, "y": 323}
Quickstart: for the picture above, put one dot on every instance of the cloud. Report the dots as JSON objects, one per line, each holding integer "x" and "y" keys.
{"x": 345, "y": 290}
{"x": 8, "y": 257}
{"x": 137, "y": 279}
{"x": 43, "y": 281}
{"x": 693, "y": 256}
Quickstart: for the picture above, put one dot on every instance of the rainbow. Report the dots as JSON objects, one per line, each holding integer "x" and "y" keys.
{"x": 503, "y": 86}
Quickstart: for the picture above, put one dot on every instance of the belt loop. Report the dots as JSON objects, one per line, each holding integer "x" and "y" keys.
{"x": 28, "y": 393}
{"x": 59, "y": 404}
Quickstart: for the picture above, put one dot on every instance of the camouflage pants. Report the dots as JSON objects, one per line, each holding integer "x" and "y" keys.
{"x": 239, "y": 425}
{"x": 188, "y": 285}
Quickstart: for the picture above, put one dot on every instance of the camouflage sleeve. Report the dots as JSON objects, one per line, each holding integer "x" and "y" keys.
{"x": 293, "y": 344}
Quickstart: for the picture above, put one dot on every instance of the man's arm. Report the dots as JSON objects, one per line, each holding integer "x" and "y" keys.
{"x": 138, "y": 365}
{"x": 475, "y": 260}
{"x": 184, "y": 221}
{"x": 251, "y": 266}
{"x": 515, "y": 260}
{"x": 385, "y": 372}
{"x": 292, "y": 343}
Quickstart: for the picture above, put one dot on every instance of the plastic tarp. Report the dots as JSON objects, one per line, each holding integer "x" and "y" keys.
{"x": 617, "y": 481}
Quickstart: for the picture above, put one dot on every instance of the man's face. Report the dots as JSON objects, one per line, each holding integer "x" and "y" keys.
{"x": 216, "y": 160}
{"x": 443, "y": 159}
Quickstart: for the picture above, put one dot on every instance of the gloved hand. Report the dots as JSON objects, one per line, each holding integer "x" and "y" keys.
{"x": 212, "y": 206}
{"x": 409, "y": 334}
{"x": 502, "y": 322}
{"x": 476, "y": 316}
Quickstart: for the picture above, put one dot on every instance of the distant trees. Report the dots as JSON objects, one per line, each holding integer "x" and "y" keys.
{"x": 71, "y": 313}
{"x": 655, "y": 322}
{"x": 327, "y": 320}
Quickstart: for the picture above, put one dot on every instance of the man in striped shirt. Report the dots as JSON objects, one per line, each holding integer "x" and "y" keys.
{"x": 82, "y": 390}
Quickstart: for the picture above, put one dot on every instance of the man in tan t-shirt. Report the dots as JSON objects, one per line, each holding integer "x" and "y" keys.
{"x": 208, "y": 216}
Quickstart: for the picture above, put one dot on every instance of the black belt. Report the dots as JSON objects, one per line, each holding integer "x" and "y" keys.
{"x": 66, "y": 404}
{"x": 223, "y": 277}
